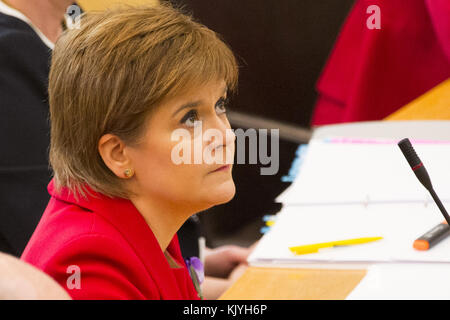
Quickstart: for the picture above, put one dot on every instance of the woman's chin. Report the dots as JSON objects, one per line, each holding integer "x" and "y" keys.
{"x": 222, "y": 194}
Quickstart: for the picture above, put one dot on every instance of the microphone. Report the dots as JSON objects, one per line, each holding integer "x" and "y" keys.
{"x": 421, "y": 173}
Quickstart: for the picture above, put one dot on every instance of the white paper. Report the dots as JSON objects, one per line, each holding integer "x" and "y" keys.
{"x": 398, "y": 224}
{"x": 393, "y": 281}
{"x": 342, "y": 173}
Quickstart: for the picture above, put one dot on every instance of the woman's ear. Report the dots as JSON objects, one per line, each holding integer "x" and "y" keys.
{"x": 113, "y": 152}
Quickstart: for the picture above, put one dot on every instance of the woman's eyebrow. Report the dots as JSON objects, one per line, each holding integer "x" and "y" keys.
{"x": 195, "y": 103}
{"x": 187, "y": 105}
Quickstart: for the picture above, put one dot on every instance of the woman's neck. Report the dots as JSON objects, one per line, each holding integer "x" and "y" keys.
{"x": 46, "y": 15}
{"x": 163, "y": 218}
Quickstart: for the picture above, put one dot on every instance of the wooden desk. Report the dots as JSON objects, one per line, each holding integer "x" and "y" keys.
{"x": 433, "y": 105}
{"x": 294, "y": 284}
{"x": 324, "y": 284}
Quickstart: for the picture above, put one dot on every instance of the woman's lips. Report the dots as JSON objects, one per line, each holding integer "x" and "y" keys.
{"x": 222, "y": 168}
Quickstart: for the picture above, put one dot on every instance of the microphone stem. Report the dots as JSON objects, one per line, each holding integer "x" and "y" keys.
{"x": 440, "y": 205}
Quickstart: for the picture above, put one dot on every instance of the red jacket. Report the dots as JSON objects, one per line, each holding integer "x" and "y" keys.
{"x": 373, "y": 72}
{"x": 109, "y": 241}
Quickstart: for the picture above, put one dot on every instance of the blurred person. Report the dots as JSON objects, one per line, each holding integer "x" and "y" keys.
{"x": 223, "y": 266}
{"x": 118, "y": 89}
{"x": 384, "y": 57}
{"x": 22, "y": 281}
{"x": 28, "y": 30}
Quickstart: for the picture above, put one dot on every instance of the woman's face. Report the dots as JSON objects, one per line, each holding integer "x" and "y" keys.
{"x": 183, "y": 155}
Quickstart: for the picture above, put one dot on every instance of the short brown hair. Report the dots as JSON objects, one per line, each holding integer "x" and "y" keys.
{"x": 108, "y": 75}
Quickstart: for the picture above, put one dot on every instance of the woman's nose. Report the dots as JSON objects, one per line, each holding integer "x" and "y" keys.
{"x": 225, "y": 135}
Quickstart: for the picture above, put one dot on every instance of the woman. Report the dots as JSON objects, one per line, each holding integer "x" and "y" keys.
{"x": 119, "y": 87}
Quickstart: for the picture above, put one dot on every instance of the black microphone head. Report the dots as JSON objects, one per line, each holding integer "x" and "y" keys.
{"x": 409, "y": 153}
{"x": 415, "y": 163}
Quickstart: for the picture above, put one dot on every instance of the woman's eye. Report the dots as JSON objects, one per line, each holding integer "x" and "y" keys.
{"x": 221, "y": 106}
{"x": 190, "y": 118}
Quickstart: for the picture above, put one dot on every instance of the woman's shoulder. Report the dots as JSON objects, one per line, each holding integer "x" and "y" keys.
{"x": 64, "y": 224}
{"x": 72, "y": 239}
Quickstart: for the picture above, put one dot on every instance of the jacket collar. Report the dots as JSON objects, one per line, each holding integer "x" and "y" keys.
{"x": 124, "y": 216}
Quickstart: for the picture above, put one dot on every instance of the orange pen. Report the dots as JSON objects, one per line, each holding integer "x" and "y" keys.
{"x": 432, "y": 237}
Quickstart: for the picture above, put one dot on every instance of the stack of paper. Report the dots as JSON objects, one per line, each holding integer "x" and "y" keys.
{"x": 348, "y": 188}
{"x": 348, "y": 171}
{"x": 354, "y": 188}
